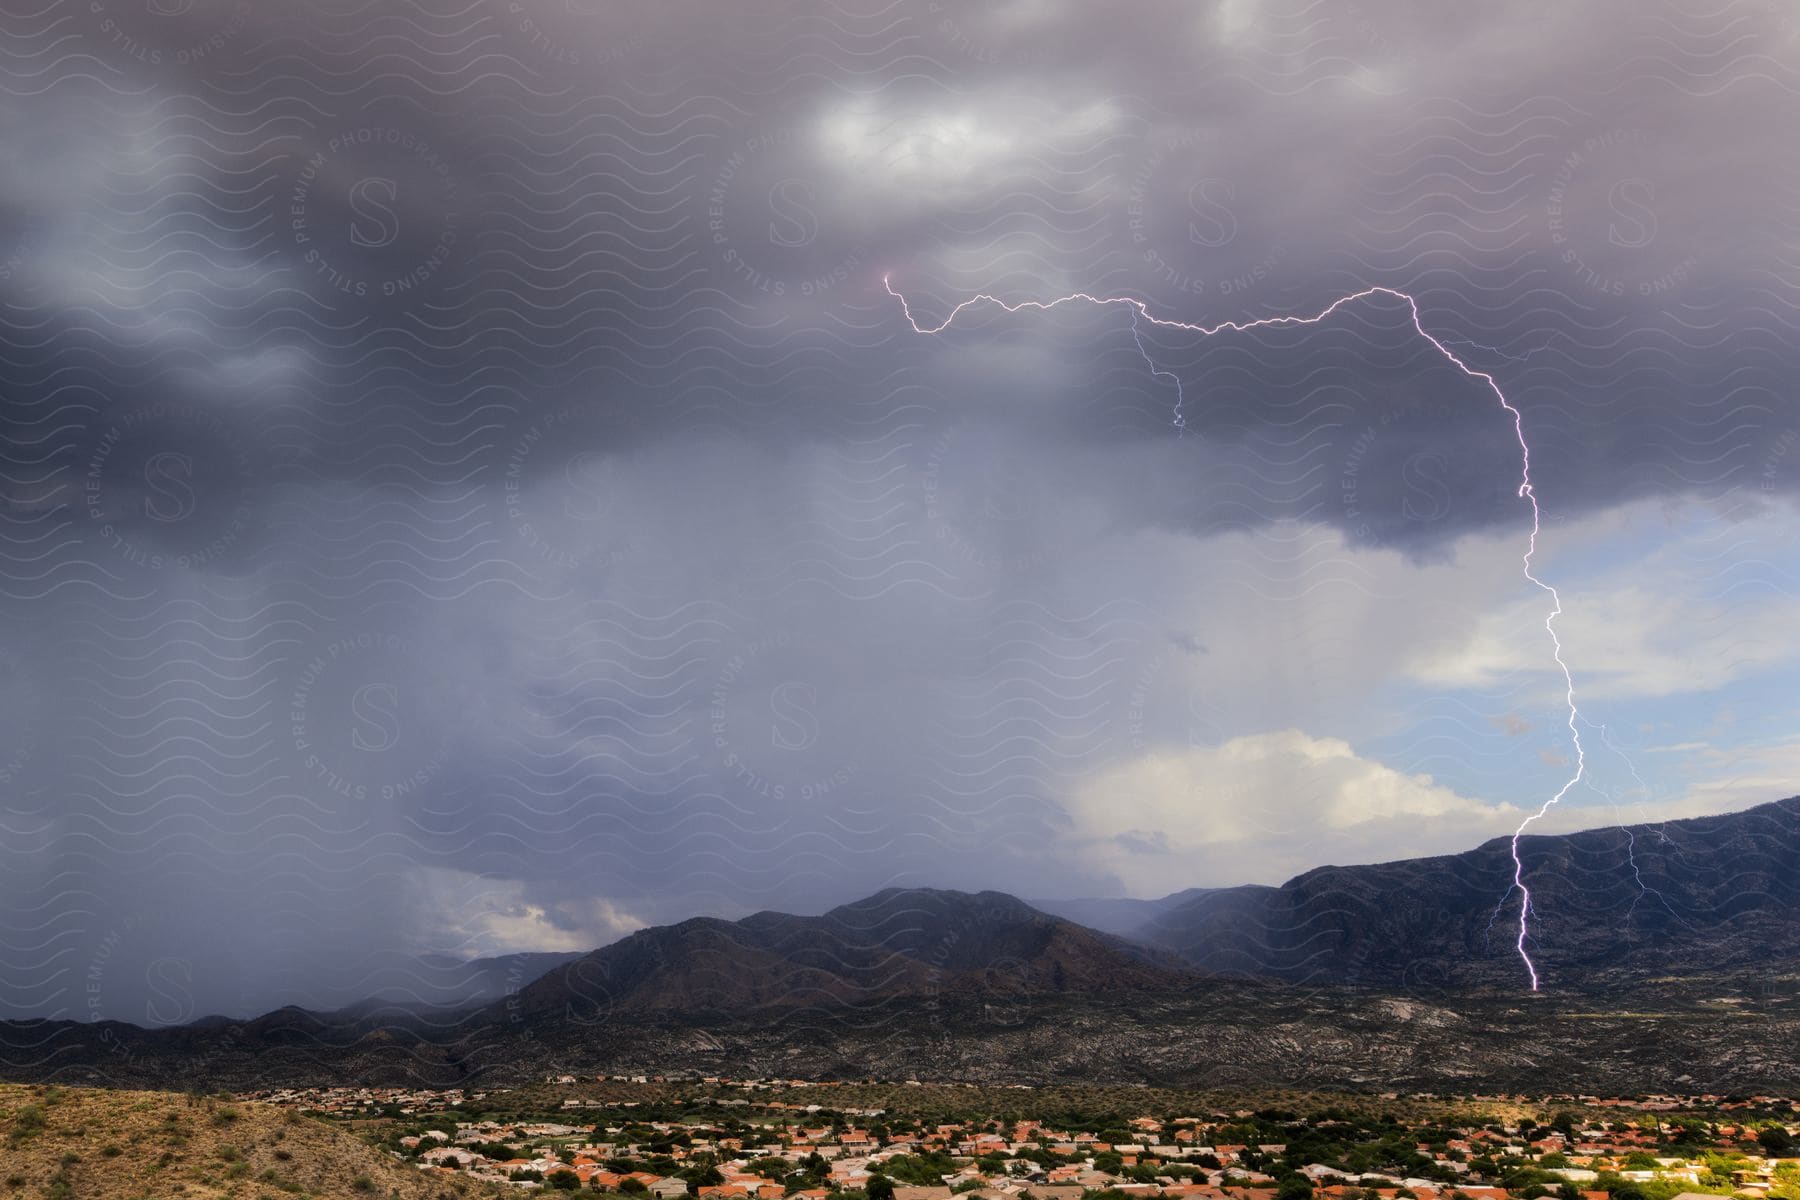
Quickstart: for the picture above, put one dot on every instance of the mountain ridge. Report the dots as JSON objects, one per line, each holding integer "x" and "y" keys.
{"x": 1665, "y": 950}
{"x": 897, "y": 943}
{"x": 1647, "y": 898}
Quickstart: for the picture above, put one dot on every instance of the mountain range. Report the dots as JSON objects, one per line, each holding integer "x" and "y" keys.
{"x": 1665, "y": 953}
{"x": 1704, "y": 894}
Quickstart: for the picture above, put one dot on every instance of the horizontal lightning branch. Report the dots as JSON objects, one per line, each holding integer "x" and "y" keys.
{"x": 1141, "y": 312}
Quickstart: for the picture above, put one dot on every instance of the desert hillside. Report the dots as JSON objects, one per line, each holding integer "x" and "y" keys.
{"x": 61, "y": 1143}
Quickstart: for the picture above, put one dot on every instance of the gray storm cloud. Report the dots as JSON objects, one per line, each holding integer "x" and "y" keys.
{"x": 466, "y": 481}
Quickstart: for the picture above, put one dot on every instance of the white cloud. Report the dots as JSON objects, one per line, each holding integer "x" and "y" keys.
{"x": 1732, "y": 778}
{"x": 1264, "y": 807}
{"x": 1702, "y": 611}
{"x": 1625, "y": 639}
{"x": 462, "y": 913}
{"x": 905, "y": 159}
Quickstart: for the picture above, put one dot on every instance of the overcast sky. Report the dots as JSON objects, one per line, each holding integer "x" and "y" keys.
{"x": 467, "y": 488}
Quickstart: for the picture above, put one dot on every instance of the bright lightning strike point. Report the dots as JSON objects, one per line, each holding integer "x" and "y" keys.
{"x": 1140, "y": 310}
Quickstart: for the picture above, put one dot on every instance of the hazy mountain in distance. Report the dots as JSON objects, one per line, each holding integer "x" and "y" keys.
{"x": 1125, "y": 917}
{"x": 441, "y": 981}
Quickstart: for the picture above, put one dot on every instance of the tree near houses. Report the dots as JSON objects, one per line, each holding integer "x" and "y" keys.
{"x": 1294, "y": 1187}
{"x": 697, "y": 1177}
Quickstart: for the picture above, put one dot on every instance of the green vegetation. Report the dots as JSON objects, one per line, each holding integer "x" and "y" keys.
{"x": 1293, "y": 1186}
{"x": 27, "y": 1123}
{"x": 919, "y": 1169}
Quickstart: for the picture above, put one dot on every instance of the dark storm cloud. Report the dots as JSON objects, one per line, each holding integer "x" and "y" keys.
{"x": 477, "y": 443}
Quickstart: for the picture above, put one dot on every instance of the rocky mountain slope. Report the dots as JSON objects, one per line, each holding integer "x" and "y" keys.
{"x": 899, "y": 945}
{"x": 1702, "y": 895}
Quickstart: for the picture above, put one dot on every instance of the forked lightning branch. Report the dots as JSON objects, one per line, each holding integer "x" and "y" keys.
{"x": 1140, "y": 311}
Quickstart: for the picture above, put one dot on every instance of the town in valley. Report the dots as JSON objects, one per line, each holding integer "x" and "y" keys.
{"x": 650, "y": 1136}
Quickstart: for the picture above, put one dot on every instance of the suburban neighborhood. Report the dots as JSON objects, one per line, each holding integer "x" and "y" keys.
{"x": 773, "y": 1139}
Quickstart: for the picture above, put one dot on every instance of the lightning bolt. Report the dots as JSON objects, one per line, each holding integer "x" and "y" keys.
{"x": 1178, "y": 418}
{"x": 1631, "y": 838}
{"x": 1140, "y": 311}
{"x": 1494, "y": 350}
